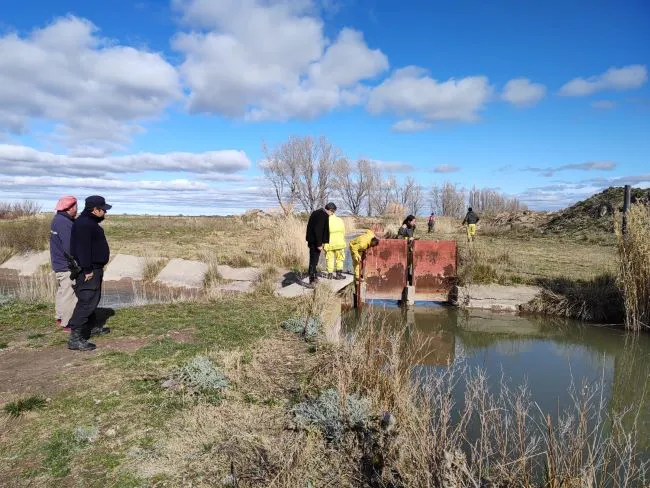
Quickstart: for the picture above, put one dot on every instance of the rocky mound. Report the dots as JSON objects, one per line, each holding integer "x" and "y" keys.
{"x": 595, "y": 214}
{"x": 522, "y": 220}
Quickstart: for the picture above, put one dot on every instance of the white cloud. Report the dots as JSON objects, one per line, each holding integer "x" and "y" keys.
{"x": 410, "y": 125}
{"x": 96, "y": 92}
{"x": 522, "y": 92}
{"x": 603, "y": 104}
{"x": 22, "y": 160}
{"x": 446, "y": 168}
{"x": 626, "y": 78}
{"x": 270, "y": 60}
{"x": 393, "y": 166}
{"x": 411, "y": 91}
{"x": 587, "y": 166}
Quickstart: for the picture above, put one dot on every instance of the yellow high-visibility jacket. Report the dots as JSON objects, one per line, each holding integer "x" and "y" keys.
{"x": 337, "y": 234}
{"x": 361, "y": 243}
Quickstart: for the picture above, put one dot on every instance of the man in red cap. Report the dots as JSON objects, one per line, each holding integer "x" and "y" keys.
{"x": 60, "y": 230}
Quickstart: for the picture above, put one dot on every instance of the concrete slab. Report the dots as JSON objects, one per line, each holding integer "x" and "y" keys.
{"x": 236, "y": 286}
{"x": 335, "y": 285}
{"x": 239, "y": 274}
{"x": 27, "y": 264}
{"x": 293, "y": 291}
{"x": 183, "y": 273}
{"x": 125, "y": 266}
{"x": 496, "y": 297}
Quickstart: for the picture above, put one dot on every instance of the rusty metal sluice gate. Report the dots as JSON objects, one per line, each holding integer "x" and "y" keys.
{"x": 399, "y": 270}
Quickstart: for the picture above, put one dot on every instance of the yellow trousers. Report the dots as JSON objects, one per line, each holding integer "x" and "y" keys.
{"x": 471, "y": 230}
{"x": 333, "y": 258}
{"x": 356, "y": 263}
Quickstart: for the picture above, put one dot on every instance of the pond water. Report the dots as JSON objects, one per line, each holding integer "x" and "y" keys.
{"x": 546, "y": 354}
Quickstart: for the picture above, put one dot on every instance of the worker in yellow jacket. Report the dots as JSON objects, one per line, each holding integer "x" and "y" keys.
{"x": 359, "y": 246}
{"x": 335, "y": 248}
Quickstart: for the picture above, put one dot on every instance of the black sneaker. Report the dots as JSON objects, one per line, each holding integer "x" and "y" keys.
{"x": 78, "y": 343}
{"x": 95, "y": 331}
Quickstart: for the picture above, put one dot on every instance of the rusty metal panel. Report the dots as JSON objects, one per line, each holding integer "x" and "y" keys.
{"x": 385, "y": 269}
{"x": 434, "y": 269}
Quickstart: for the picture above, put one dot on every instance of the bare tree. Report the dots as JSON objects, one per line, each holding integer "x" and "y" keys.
{"x": 354, "y": 183}
{"x": 409, "y": 195}
{"x": 382, "y": 194}
{"x": 448, "y": 200}
{"x": 491, "y": 201}
{"x": 301, "y": 170}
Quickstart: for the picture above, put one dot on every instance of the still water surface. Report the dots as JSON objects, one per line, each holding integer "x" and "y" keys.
{"x": 546, "y": 354}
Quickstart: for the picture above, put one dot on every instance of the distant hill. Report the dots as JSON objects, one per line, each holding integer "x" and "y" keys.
{"x": 594, "y": 214}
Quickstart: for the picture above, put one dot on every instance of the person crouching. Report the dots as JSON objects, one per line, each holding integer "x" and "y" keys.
{"x": 358, "y": 248}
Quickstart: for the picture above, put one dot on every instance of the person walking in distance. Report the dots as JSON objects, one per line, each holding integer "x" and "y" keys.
{"x": 90, "y": 249}
{"x": 431, "y": 223}
{"x": 471, "y": 219}
{"x": 60, "y": 230}
{"x": 318, "y": 234}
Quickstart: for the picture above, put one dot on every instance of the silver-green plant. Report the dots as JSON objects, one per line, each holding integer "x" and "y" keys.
{"x": 201, "y": 374}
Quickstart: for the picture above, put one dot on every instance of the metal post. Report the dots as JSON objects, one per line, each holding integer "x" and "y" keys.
{"x": 626, "y": 206}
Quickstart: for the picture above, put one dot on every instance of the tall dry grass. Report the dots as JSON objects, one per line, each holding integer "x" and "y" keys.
{"x": 286, "y": 246}
{"x": 490, "y": 438}
{"x": 25, "y": 234}
{"x": 39, "y": 288}
{"x": 634, "y": 267}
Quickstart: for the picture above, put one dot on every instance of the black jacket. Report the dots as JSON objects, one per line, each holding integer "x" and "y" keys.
{"x": 471, "y": 218}
{"x": 88, "y": 242}
{"x": 318, "y": 228}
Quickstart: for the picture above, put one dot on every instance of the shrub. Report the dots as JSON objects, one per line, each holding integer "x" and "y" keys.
{"x": 16, "y": 210}
{"x": 307, "y": 327}
{"x": 331, "y": 415}
{"x": 201, "y": 375}
{"x": 30, "y": 234}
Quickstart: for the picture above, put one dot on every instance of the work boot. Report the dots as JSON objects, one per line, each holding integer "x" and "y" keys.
{"x": 339, "y": 275}
{"x": 330, "y": 276}
{"x": 95, "y": 331}
{"x": 78, "y": 343}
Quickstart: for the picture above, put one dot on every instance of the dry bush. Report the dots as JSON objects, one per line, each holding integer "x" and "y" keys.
{"x": 634, "y": 267}
{"x": 286, "y": 244}
{"x": 25, "y": 235}
{"x": 212, "y": 275}
{"x": 236, "y": 261}
{"x": 446, "y": 225}
{"x": 267, "y": 281}
{"x": 5, "y": 253}
{"x": 152, "y": 267}
{"x": 17, "y": 210}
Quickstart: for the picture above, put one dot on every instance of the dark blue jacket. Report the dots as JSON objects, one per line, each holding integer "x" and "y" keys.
{"x": 88, "y": 242}
{"x": 60, "y": 241}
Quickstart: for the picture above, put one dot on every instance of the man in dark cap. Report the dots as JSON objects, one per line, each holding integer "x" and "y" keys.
{"x": 318, "y": 233}
{"x": 89, "y": 247}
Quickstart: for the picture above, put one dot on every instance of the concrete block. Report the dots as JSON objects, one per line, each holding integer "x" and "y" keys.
{"x": 294, "y": 290}
{"x": 183, "y": 273}
{"x": 27, "y": 264}
{"x": 408, "y": 296}
{"x": 335, "y": 285}
{"x": 239, "y": 274}
{"x": 125, "y": 266}
{"x": 236, "y": 286}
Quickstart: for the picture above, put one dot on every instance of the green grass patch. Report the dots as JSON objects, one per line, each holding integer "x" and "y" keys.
{"x": 4, "y": 345}
{"x": 17, "y": 408}
{"x": 38, "y": 335}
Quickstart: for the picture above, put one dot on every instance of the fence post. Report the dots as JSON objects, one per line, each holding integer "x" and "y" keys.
{"x": 626, "y": 206}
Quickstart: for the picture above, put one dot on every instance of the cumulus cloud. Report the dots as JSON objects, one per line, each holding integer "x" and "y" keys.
{"x": 95, "y": 91}
{"x": 588, "y": 166}
{"x": 446, "y": 168}
{"x": 270, "y": 60}
{"x": 625, "y": 78}
{"x": 522, "y": 92}
{"x": 410, "y": 125}
{"x": 411, "y": 91}
{"x": 23, "y": 160}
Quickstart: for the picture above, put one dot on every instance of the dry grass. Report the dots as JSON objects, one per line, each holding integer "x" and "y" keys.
{"x": 39, "y": 288}
{"x": 634, "y": 267}
{"x": 17, "y": 210}
{"x": 25, "y": 234}
{"x": 5, "y": 253}
{"x": 152, "y": 267}
{"x": 285, "y": 244}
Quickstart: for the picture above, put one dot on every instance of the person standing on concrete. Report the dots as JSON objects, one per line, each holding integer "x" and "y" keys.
{"x": 60, "y": 230}
{"x": 471, "y": 219}
{"x": 318, "y": 234}
{"x": 431, "y": 223}
{"x": 90, "y": 249}
{"x": 335, "y": 248}
{"x": 407, "y": 229}
{"x": 358, "y": 248}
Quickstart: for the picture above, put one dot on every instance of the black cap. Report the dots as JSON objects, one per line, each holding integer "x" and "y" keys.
{"x": 96, "y": 201}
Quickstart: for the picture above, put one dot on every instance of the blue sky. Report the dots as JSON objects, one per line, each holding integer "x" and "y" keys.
{"x": 548, "y": 101}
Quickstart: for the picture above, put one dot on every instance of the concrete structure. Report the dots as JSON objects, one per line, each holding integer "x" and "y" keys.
{"x": 27, "y": 264}
{"x": 496, "y": 297}
{"x": 125, "y": 266}
{"x": 239, "y": 274}
{"x": 183, "y": 273}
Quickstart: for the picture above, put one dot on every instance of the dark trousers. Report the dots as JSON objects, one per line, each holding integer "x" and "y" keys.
{"x": 88, "y": 295}
{"x": 314, "y": 256}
